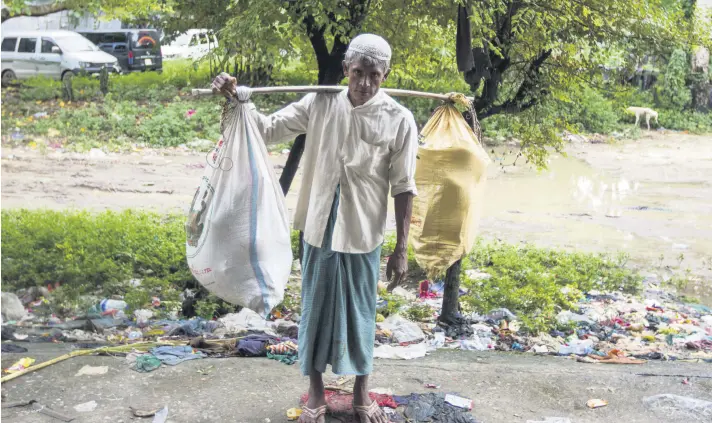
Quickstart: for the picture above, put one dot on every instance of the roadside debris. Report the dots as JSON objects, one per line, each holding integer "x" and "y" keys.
{"x": 87, "y": 407}
{"x": 93, "y": 371}
{"x": 21, "y": 365}
{"x": 692, "y": 409}
{"x": 596, "y": 403}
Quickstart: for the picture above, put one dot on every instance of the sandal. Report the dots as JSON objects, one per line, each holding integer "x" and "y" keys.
{"x": 368, "y": 410}
{"x": 313, "y": 413}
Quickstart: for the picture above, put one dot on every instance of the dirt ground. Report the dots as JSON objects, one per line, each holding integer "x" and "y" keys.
{"x": 506, "y": 388}
{"x": 648, "y": 198}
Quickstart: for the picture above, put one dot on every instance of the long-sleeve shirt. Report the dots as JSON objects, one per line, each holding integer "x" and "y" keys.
{"x": 365, "y": 150}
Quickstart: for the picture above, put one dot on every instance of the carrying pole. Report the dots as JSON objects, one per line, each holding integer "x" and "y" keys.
{"x": 454, "y": 97}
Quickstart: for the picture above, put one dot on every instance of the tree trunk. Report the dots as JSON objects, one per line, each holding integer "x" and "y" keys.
{"x": 451, "y": 294}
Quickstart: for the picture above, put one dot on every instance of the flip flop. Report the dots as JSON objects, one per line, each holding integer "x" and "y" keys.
{"x": 314, "y": 413}
{"x": 368, "y": 410}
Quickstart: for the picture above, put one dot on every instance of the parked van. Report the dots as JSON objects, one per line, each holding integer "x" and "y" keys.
{"x": 193, "y": 44}
{"x": 137, "y": 50}
{"x": 54, "y": 54}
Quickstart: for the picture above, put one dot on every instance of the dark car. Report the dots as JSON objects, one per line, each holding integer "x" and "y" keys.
{"x": 136, "y": 49}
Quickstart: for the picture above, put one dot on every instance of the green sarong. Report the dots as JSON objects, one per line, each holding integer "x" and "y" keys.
{"x": 339, "y": 291}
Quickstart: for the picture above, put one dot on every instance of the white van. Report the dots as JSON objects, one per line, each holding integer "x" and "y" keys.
{"x": 193, "y": 44}
{"x": 53, "y": 54}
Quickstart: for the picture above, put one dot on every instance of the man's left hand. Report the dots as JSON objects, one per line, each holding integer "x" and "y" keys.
{"x": 396, "y": 269}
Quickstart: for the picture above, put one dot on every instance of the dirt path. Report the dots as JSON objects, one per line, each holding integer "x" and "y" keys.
{"x": 506, "y": 388}
{"x": 649, "y": 198}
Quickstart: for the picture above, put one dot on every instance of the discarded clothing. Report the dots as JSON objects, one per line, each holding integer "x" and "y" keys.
{"x": 215, "y": 350}
{"x": 12, "y": 348}
{"x": 287, "y": 359}
{"x": 341, "y": 402}
{"x": 338, "y": 307}
{"x": 146, "y": 363}
{"x": 172, "y": 356}
{"x": 432, "y": 407}
{"x": 255, "y": 345}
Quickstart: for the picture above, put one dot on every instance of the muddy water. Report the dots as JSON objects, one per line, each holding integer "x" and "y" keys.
{"x": 650, "y": 198}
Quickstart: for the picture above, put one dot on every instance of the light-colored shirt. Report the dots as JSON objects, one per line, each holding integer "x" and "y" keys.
{"x": 365, "y": 150}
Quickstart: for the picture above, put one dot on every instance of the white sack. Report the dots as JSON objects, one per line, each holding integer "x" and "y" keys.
{"x": 238, "y": 236}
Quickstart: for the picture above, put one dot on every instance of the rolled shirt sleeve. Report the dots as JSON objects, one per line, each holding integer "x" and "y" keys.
{"x": 403, "y": 159}
{"x": 285, "y": 123}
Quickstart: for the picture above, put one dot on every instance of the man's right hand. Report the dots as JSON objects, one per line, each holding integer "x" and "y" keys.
{"x": 225, "y": 84}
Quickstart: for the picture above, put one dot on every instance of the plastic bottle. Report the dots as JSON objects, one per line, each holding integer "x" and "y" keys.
{"x": 577, "y": 347}
{"x": 107, "y": 305}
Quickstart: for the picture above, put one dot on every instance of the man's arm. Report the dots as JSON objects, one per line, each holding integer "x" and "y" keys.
{"x": 398, "y": 262}
{"x": 281, "y": 125}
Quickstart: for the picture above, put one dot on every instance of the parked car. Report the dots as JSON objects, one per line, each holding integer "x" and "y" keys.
{"x": 193, "y": 44}
{"x": 137, "y": 50}
{"x": 54, "y": 54}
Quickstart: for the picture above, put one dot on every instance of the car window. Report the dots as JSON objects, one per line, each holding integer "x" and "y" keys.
{"x": 27, "y": 45}
{"x": 47, "y": 45}
{"x": 194, "y": 41}
{"x": 145, "y": 39}
{"x": 8, "y": 44}
{"x": 204, "y": 39}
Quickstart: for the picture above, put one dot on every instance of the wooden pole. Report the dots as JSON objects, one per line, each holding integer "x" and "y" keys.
{"x": 198, "y": 92}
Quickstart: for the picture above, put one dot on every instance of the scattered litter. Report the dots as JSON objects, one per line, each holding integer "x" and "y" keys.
{"x": 13, "y": 349}
{"x": 404, "y": 331}
{"x": 92, "y": 371}
{"x": 96, "y": 153}
{"x": 146, "y": 363}
{"x": 87, "y": 407}
{"x": 144, "y": 413}
{"x": 432, "y": 386}
{"x": 21, "y": 365}
{"x": 161, "y": 416}
{"x": 294, "y": 413}
{"x": 667, "y": 405}
{"x": 459, "y": 402}
{"x": 596, "y": 403}
{"x": 408, "y": 352}
{"x": 172, "y": 356}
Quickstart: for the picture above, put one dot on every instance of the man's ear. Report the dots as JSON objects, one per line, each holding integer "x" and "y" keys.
{"x": 385, "y": 76}
{"x": 346, "y": 68}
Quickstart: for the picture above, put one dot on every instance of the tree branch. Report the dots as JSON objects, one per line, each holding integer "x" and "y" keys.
{"x": 36, "y": 10}
{"x": 525, "y": 97}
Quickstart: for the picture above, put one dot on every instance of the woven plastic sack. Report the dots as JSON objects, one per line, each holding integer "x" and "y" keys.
{"x": 238, "y": 235}
{"x": 450, "y": 175}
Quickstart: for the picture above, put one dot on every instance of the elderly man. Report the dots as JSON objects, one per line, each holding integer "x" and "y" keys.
{"x": 360, "y": 143}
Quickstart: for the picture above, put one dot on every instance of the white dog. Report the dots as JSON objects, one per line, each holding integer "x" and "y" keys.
{"x": 645, "y": 112}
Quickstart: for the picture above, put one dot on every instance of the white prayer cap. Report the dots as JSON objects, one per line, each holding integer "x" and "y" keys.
{"x": 371, "y": 45}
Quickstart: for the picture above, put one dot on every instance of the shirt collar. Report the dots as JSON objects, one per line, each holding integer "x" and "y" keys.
{"x": 373, "y": 101}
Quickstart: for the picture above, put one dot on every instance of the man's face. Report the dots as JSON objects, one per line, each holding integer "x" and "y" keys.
{"x": 364, "y": 81}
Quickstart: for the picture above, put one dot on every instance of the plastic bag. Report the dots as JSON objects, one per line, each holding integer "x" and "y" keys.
{"x": 238, "y": 236}
{"x": 450, "y": 176}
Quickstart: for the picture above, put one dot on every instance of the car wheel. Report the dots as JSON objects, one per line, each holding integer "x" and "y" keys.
{"x": 7, "y": 77}
{"x": 67, "y": 75}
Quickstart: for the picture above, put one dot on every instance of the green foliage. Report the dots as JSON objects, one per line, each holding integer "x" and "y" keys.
{"x": 95, "y": 253}
{"x": 206, "y": 308}
{"x": 393, "y": 303}
{"x": 537, "y": 283}
{"x": 592, "y": 111}
{"x": 419, "y": 312}
{"x": 674, "y": 93}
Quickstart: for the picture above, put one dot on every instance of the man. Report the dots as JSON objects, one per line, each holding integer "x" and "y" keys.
{"x": 359, "y": 143}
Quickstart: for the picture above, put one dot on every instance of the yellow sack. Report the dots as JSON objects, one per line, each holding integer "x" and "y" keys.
{"x": 450, "y": 176}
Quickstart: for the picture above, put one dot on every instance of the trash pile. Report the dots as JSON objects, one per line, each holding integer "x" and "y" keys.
{"x": 609, "y": 328}
{"x": 612, "y": 328}
{"x": 415, "y": 407}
